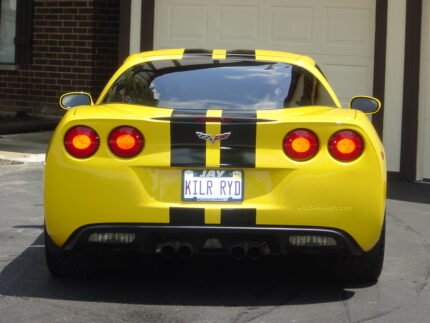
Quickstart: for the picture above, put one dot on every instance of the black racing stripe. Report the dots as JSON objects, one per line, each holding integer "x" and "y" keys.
{"x": 238, "y": 217}
{"x": 193, "y": 52}
{"x": 238, "y": 150}
{"x": 241, "y": 53}
{"x": 186, "y": 149}
{"x": 187, "y": 216}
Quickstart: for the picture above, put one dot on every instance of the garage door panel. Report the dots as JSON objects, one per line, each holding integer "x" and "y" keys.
{"x": 196, "y": 13}
{"x": 238, "y": 23}
{"x": 293, "y": 26}
{"x": 339, "y": 34}
{"x": 173, "y": 32}
{"x": 341, "y": 75}
{"x": 347, "y": 30}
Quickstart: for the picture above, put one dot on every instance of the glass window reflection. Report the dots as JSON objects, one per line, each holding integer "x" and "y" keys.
{"x": 237, "y": 85}
{"x": 7, "y": 31}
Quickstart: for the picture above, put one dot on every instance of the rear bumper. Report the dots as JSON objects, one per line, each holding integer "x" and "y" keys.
{"x": 277, "y": 239}
{"x": 348, "y": 199}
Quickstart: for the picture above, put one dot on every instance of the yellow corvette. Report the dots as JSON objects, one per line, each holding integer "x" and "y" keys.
{"x": 194, "y": 151}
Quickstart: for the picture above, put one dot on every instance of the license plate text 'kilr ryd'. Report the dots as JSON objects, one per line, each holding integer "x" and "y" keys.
{"x": 212, "y": 185}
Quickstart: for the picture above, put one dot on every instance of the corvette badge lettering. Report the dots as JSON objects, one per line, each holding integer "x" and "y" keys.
{"x": 213, "y": 139}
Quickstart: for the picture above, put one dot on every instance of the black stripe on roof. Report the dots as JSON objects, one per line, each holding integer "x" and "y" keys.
{"x": 241, "y": 53}
{"x": 197, "y": 52}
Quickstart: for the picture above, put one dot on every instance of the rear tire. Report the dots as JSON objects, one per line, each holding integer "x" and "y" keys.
{"x": 62, "y": 263}
{"x": 365, "y": 268}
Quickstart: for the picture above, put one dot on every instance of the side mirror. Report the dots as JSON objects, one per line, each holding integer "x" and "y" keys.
{"x": 366, "y": 104}
{"x": 74, "y": 99}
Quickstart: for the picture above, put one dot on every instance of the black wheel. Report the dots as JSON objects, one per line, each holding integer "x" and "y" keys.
{"x": 63, "y": 263}
{"x": 365, "y": 268}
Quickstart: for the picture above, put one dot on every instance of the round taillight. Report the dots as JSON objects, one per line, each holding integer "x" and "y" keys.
{"x": 126, "y": 142}
{"x": 300, "y": 144}
{"x": 81, "y": 141}
{"x": 346, "y": 145}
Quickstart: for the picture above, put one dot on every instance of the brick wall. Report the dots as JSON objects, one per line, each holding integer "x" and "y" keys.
{"x": 75, "y": 47}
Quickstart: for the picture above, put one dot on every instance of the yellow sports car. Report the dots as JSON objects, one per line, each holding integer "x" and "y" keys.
{"x": 195, "y": 151}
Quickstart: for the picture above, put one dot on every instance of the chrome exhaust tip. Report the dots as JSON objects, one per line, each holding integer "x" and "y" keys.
{"x": 167, "y": 250}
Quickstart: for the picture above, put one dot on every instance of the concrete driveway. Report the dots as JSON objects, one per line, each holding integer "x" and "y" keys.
{"x": 25, "y": 147}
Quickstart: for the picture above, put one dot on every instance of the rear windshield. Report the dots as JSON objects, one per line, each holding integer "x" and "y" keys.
{"x": 237, "y": 85}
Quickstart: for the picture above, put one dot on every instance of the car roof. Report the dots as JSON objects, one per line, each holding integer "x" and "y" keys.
{"x": 220, "y": 54}
{"x": 214, "y": 55}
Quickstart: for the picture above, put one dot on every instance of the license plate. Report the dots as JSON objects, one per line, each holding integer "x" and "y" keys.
{"x": 212, "y": 185}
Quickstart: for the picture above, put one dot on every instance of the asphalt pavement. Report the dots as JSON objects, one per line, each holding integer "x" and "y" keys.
{"x": 216, "y": 290}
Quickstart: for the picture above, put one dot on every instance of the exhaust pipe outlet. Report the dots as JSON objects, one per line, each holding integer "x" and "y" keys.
{"x": 254, "y": 252}
{"x": 167, "y": 250}
{"x": 238, "y": 251}
{"x": 185, "y": 250}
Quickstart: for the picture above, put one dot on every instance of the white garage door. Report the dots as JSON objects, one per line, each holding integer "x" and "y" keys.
{"x": 339, "y": 34}
{"x": 424, "y": 113}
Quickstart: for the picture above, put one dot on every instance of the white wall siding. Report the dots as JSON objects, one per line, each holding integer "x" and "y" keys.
{"x": 135, "y": 22}
{"x": 393, "y": 104}
{"x": 423, "y": 158}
